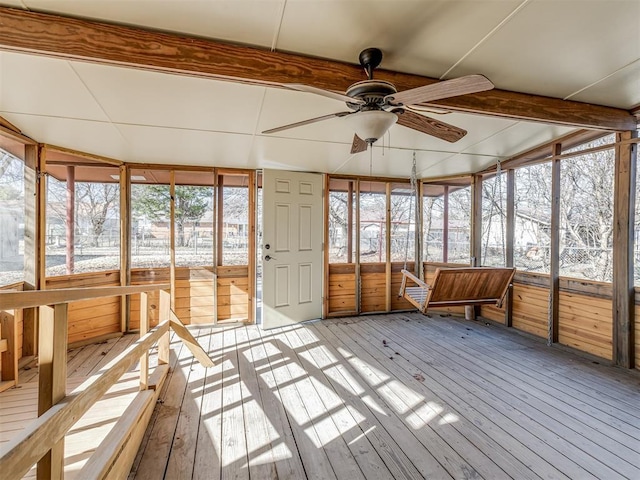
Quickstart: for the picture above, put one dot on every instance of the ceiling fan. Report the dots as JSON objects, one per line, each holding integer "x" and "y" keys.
{"x": 376, "y": 105}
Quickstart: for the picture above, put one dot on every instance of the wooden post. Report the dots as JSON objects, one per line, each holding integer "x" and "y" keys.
{"x": 9, "y": 358}
{"x": 623, "y": 218}
{"x": 475, "y": 237}
{"x": 216, "y": 246}
{"x": 357, "y": 252}
{"x": 445, "y": 226}
{"x": 125, "y": 245}
{"x": 252, "y": 257}
{"x": 510, "y": 236}
{"x": 32, "y": 244}
{"x": 52, "y": 379}
{"x": 325, "y": 245}
{"x": 70, "y": 223}
{"x": 554, "y": 273}
{"x": 172, "y": 238}
{"x": 349, "y": 221}
{"x": 219, "y": 220}
{"x": 144, "y": 328}
{"x": 387, "y": 250}
{"x": 164, "y": 313}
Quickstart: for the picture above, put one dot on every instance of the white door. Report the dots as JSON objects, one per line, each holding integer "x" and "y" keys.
{"x": 292, "y": 233}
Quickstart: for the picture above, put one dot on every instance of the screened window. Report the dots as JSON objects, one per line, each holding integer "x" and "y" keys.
{"x": 403, "y": 222}
{"x": 12, "y": 217}
{"x": 193, "y": 219}
{"x": 433, "y": 228}
{"x": 494, "y": 220}
{"x": 342, "y": 217}
{"x": 459, "y": 225}
{"x": 586, "y": 215}
{"x": 532, "y": 224}
{"x": 233, "y": 227}
{"x": 150, "y": 219}
{"x": 373, "y": 203}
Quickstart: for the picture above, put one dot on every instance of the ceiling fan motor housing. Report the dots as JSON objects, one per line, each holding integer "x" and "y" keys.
{"x": 372, "y": 92}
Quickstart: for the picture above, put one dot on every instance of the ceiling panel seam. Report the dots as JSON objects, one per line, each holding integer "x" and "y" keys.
{"x": 602, "y": 79}
{"x": 276, "y": 34}
{"x": 486, "y": 37}
{"x": 95, "y": 99}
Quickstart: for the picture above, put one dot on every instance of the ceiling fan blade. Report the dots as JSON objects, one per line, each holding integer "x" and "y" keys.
{"x": 307, "y": 122}
{"x": 358, "y": 145}
{"x": 325, "y": 93}
{"x": 430, "y": 126}
{"x": 437, "y": 91}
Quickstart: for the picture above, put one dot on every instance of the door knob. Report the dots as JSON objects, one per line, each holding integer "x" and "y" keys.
{"x": 269, "y": 257}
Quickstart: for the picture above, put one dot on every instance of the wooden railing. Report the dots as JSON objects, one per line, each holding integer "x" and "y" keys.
{"x": 42, "y": 442}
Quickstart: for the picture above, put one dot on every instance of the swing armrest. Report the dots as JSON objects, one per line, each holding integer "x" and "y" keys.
{"x": 414, "y": 279}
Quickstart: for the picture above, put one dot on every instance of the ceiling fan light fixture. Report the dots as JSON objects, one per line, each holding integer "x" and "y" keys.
{"x": 372, "y": 124}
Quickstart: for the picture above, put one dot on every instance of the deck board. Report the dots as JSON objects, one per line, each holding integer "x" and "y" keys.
{"x": 444, "y": 398}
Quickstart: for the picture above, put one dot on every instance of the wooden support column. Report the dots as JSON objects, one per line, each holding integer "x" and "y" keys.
{"x": 9, "y": 357}
{"x": 357, "y": 252}
{"x": 325, "y": 245}
{"x": 387, "y": 249}
{"x": 172, "y": 238}
{"x": 70, "y": 223}
{"x": 52, "y": 379}
{"x": 215, "y": 236}
{"x": 554, "y": 273}
{"x": 475, "y": 240}
{"x": 623, "y": 219}
{"x": 349, "y": 221}
{"x": 445, "y": 226}
{"x": 251, "y": 312}
{"x": 33, "y": 236}
{"x": 220, "y": 217}
{"x": 125, "y": 245}
{"x": 510, "y": 237}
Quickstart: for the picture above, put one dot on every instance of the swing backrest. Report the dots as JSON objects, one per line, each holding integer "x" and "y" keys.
{"x": 469, "y": 286}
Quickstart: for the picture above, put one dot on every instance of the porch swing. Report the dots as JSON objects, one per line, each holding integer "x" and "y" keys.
{"x": 452, "y": 287}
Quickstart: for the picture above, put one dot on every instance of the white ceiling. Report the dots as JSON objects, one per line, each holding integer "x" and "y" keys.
{"x": 584, "y": 50}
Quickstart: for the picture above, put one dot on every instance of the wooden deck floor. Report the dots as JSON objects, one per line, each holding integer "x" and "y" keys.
{"x": 395, "y": 396}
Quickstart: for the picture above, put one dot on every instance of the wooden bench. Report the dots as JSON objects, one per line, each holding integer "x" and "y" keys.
{"x": 453, "y": 287}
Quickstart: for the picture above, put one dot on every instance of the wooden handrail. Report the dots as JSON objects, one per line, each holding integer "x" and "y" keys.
{"x": 32, "y": 443}
{"x": 36, "y": 298}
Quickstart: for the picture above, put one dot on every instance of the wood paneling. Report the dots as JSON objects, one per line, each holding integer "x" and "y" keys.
{"x": 89, "y": 319}
{"x": 232, "y": 294}
{"x": 399, "y": 303}
{"x": 637, "y": 337}
{"x": 586, "y": 323}
{"x": 143, "y": 277}
{"x": 373, "y": 290}
{"x": 530, "y": 309}
{"x": 341, "y": 288}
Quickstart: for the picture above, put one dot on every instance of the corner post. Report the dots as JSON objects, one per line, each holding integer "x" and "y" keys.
{"x": 623, "y": 217}
{"x": 554, "y": 271}
{"x": 510, "y": 236}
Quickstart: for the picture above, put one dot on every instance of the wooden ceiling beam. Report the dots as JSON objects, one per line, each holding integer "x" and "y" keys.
{"x": 83, "y": 40}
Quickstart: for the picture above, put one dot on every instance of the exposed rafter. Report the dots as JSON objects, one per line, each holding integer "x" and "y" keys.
{"x": 83, "y": 40}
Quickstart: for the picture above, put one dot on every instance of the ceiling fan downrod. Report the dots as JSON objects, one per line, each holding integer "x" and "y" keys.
{"x": 370, "y": 59}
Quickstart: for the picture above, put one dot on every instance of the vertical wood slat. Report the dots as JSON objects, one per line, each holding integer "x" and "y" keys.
{"x": 70, "y": 219}
{"x": 445, "y": 226}
{"x": 125, "y": 245}
{"x": 32, "y": 243}
{"x": 252, "y": 258}
{"x": 9, "y": 358}
{"x": 144, "y": 328}
{"x": 216, "y": 246}
{"x": 554, "y": 271}
{"x": 417, "y": 271}
{"x": 358, "y": 280}
{"x": 510, "y": 237}
{"x": 623, "y": 215}
{"x": 325, "y": 245}
{"x": 172, "y": 238}
{"x": 52, "y": 378}
{"x": 387, "y": 249}
{"x": 164, "y": 309}
{"x": 475, "y": 247}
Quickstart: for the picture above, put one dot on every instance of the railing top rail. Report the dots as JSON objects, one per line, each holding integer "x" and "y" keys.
{"x": 36, "y": 298}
